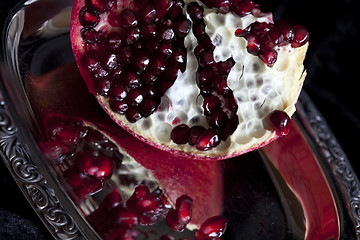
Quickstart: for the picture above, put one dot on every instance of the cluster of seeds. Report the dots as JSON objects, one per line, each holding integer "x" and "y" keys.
{"x": 131, "y": 70}
{"x": 263, "y": 38}
{"x": 219, "y": 104}
{"x": 114, "y": 219}
{"x": 87, "y": 157}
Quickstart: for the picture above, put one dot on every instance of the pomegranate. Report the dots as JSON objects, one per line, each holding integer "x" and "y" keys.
{"x": 91, "y": 159}
{"x": 163, "y": 68}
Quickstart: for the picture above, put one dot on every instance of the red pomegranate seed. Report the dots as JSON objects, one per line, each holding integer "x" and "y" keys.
{"x": 285, "y": 29}
{"x": 114, "y": 40}
{"x": 243, "y": 7}
{"x": 105, "y": 167}
{"x": 268, "y": 57}
{"x": 132, "y": 35}
{"x": 253, "y": 44}
{"x": 172, "y": 220}
{"x": 125, "y": 217}
{"x": 204, "y": 76}
{"x": 162, "y": 7}
{"x": 260, "y": 28}
{"x": 111, "y": 200}
{"x": 133, "y": 115}
{"x": 212, "y": 227}
{"x": 119, "y": 106}
{"x": 180, "y": 134}
{"x": 147, "y": 14}
{"x": 87, "y": 18}
{"x": 140, "y": 61}
{"x": 148, "y": 106}
{"x": 222, "y": 87}
{"x": 280, "y": 121}
{"x": 135, "y": 97}
{"x": 103, "y": 86}
{"x": 90, "y": 35}
{"x": 300, "y": 36}
{"x": 210, "y": 104}
{"x": 208, "y": 140}
{"x": 195, "y": 133}
{"x": 218, "y": 119}
{"x": 184, "y": 207}
{"x": 195, "y": 11}
{"x": 117, "y": 92}
{"x": 89, "y": 187}
{"x": 128, "y": 19}
{"x": 182, "y": 27}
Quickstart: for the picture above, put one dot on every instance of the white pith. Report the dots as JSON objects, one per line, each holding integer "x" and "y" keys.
{"x": 257, "y": 88}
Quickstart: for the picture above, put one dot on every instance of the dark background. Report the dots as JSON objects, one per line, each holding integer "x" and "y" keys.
{"x": 333, "y": 84}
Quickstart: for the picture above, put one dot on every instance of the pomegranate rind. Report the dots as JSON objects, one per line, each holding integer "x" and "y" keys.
{"x": 291, "y": 73}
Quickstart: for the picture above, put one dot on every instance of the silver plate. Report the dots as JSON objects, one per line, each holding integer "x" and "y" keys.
{"x": 28, "y": 35}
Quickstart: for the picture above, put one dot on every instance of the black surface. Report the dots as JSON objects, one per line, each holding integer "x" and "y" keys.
{"x": 332, "y": 83}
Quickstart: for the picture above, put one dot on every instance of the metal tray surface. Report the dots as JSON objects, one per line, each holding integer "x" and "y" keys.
{"x": 35, "y": 44}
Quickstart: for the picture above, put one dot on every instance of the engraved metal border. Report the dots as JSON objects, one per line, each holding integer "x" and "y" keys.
{"x": 41, "y": 196}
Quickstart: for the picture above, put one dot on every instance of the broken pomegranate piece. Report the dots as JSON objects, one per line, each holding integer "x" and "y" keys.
{"x": 163, "y": 68}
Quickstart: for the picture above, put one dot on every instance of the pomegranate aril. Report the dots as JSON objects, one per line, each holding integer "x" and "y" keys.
{"x": 128, "y": 19}
{"x": 199, "y": 29}
{"x": 133, "y": 115}
{"x": 210, "y": 104}
{"x": 131, "y": 35}
{"x": 182, "y": 27}
{"x": 147, "y": 14}
{"x": 184, "y": 207}
{"x": 87, "y": 18}
{"x": 222, "y": 87}
{"x": 89, "y": 187}
{"x": 208, "y": 140}
{"x": 135, "y": 97}
{"x": 280, "y": 121}
{"x": 165, "y": 49}
{"x": 259, "y": 28}
{"x": 243, "y": 7}
{"x": 204, "y": 76}
{"x": 285, "y": 29}
{"x": 117, "y": 92}
{"x": 105, "y": 167}
{"x": 172, "y": 220}
{"x": 140, "y": 62}
{"x": 268, "y": 57}
{"x": 162, "y": 7}
{"x": 206, "y": 59}
{"x": 119, "y": 106}
{"x": 90, "y": 35}
{"x": 195, "y": 133}
{"x": 218, "y": 119}
{"x": 180, "y": 134}
{"x": 195, "y": 11}
{"x": 131, "y": 80}
{"x": 148, "y": 31}
{"x": 114, "y": 41}
{"x": 125, "y": 217}
{"x": 148, "y": 106}
{"x": 300, "y": 36}
{"x": 157, "y": 65}
{"x": 212, "y": 227}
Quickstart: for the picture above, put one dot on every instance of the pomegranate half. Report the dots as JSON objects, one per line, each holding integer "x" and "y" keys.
{"x": 198, "y": 78}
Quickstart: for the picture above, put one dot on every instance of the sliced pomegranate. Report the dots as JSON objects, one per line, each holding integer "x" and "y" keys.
{"x": 162, "y": 68}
